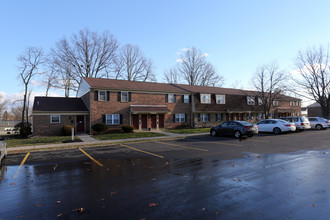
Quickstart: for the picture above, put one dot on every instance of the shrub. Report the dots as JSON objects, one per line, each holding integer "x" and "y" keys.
{"x": 24, "y": 129}
{"x": 127, "y": 129}
{"x": 100, "y": 127}
{"x": 66, "y": 130}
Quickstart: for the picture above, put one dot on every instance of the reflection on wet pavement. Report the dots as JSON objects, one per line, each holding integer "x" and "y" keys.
{"x": 280, "y": 186}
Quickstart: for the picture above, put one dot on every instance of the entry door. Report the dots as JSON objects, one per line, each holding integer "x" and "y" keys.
{"x": 153, "y": 121}
{"x": 135, "y": 121}
{"x": 144, "y": 119}
{"x": 161, "y": 121}
{"x": 80, "y": 123}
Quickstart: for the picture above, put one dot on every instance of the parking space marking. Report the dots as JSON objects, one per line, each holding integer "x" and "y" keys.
{"x": 146, "y": 152}
{"x": 21, "y": 165}
{"x": 238, "y": 145}
{"x": 176, "y": 145}
{"x": 98, "y": 163}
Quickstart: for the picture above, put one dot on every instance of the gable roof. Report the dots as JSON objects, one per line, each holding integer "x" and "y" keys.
{"x": 58, "y": 104}
{"x": 132, "y": 85}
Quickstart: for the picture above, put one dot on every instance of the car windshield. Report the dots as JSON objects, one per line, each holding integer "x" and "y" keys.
{"x": 283, "y": 121}
{"x": 303, "y": 118}
{"x": 244, "y": 123}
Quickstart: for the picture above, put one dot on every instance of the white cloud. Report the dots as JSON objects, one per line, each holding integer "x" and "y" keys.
{"x": 185, "y": 49}
{"x": 204, "y": 55}
{"x": 36, "y": 83}
{"x": 179, "y": 60}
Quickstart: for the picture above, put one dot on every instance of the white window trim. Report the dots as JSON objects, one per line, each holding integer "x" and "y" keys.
{"x": 260, "y": 102}
{"x": 111, "y": 118}
{"x": 250, "y": 100}
{"x": 121, "y": 96}
{"x": 275, "y": 103}
{"x": 105, "y": 95}
{"x": 218, "y": 98}
{"x": 209, "y": 95}
{"x": 51, "y": 119}
{"x": 203, "y": 116}
{"x": 180, "y": 117}
{"x": 186, "y": 100}
{"x": 170, "y": 100}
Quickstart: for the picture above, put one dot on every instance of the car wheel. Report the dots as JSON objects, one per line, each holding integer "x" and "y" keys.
{"x": 237, "y": 134}
{"x": 213, "y": 133}
{"x": 318, "y": 127}
{"x": 277, "y": 131}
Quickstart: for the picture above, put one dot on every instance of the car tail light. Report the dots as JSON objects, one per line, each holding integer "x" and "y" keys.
{"x": 246, "y": 128}
{"x": 287, "y": 125}
{"x": 302, "y": 124}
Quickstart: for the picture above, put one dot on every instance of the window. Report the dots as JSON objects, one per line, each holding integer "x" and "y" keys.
{"x": 221, "y": 99}
{"x": 297, "y": 103}
{"x": 219, "y": 117}
{"x": 186, "y": 99}
{"x": 181, "y": 117}
{"x": 250, "y": 100}
{"x": 271, "y": 115}
{"x": 55, "y": 119}
{"x": 291, "y": 103}
{"x": 124, "y": 96}
{"x": 112, "y": 119}
{"x": 275, "y": 103}
{"x": 171, "y": 98}
{"x": 205, "y": 98}
{"x": 204, "y": 117}
{"x": 260, "y": 101}
{"x": 260, "y": 116}
{"x": 102, "y": 95}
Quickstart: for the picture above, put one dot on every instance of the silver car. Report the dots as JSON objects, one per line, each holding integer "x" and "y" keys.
{"x": 301, "y": 122}
{"x": 3, "y": 149}
{"x": 319, "y": 123}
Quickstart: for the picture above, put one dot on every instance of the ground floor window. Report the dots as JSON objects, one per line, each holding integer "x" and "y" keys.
{"x": 181, "y": 117}
{"x": 113, "y": 119}
{"x": 55, "y": 119}
{"x": 204, "y": 117}
{"x": 219, "y": 117}
{"x": 260, "y": 116}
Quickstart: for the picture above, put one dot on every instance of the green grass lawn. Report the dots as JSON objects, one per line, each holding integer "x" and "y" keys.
{"x": 189, "y": 130}
{"x": 17, "y": 142}
{"x": 126, "y": 135}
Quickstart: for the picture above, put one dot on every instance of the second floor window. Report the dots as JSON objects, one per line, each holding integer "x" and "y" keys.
{"x": 171, "y": 98}
{"x": 221, "y": 99}
{"x": 260, "y": 102}
{"x": 275, "y": 103}
{"x": 102, "y": 95}
{"x": 186, "y": 99}
{"x": 124, "y": 96}
{"x": 206, "y": 98}
{"x": 250, "y": 100}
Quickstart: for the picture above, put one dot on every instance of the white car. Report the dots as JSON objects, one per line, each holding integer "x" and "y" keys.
{"x": 319, "y": 123}
{"x": 3, "y": 149}
{"x": 301, "y": 122}
{"x": 275, "y": 126}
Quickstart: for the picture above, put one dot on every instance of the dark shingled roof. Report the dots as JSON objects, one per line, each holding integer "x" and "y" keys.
{"x": 58, "y": 104}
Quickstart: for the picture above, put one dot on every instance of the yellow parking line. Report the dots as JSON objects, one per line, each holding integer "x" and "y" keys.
{"x": 238, "y": 145}
{"x": 98, "y": 163}
{"x": 21, "y": 165}
{"x": 176, "y": 145}
{"x": 156, "y": 155}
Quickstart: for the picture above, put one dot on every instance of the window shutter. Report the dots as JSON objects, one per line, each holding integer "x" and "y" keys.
{"x": 174, "y": 97}
{"x": 208, "y": 117}
{"x": 182, "y": 98}
{"x": 96, "y": 95}
{"x": 103, "y": 119}
{"x": 129, "y": 96}
{"x": 108, "y": 95}
{"x": 190, "y": 98}
{"x": 173, "y": 117}
{"x": 199, "y": 117}
{"x": 121, "y": 119}
{"x": 166, "y": 98}
{"x": 119, "y": 97}
{"x": 185, "y": 117}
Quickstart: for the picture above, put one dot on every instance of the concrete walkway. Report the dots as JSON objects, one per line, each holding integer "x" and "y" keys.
{"x": 88, "y": 141}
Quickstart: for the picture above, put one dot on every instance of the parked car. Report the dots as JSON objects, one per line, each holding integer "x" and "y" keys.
{"x": 301, "y": 122}
{"x": 235, "y": 128}
{"x": 3, "y": 149}
{"x": 319, "y": 123}
{"x": 275, "y": 126}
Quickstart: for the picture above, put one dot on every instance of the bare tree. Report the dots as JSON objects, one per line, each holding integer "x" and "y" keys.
{"x": 3, "y": 105}
{"x": 86, "y": 54}
{"x": 269, "y": 82}
{"x": 17, "y": 112}
{"x": 194, "y": 69}
{"x": 170, "y": 76}
{"x": 132, "y": 65}
{"x": 49, "y": 80}
{"x": 313, "y": 66}
{"x": 29, "y": 62}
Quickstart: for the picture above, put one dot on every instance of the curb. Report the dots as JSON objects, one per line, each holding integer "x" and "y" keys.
{"x": 14, "y": 150}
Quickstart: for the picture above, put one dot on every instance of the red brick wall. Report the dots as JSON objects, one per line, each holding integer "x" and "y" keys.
{"x": 100, "y": 108}
{"x": 43, "y": 127}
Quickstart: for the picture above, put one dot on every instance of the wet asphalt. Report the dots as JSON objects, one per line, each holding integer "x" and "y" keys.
{"x": 263, "y": 177}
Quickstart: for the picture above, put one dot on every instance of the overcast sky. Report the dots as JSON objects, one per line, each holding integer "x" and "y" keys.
{"x": 238, "y": 36}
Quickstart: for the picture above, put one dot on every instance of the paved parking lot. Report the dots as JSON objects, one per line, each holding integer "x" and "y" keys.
{"x": 193, "y": 178}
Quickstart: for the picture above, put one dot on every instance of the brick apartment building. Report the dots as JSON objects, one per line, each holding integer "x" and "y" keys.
{"x": 150, "y": 106}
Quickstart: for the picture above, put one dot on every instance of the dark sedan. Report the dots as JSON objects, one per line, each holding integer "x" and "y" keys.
{"x": 235, "y": 128}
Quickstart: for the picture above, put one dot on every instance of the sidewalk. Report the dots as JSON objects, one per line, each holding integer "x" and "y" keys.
{"x": 89, "y": 141}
